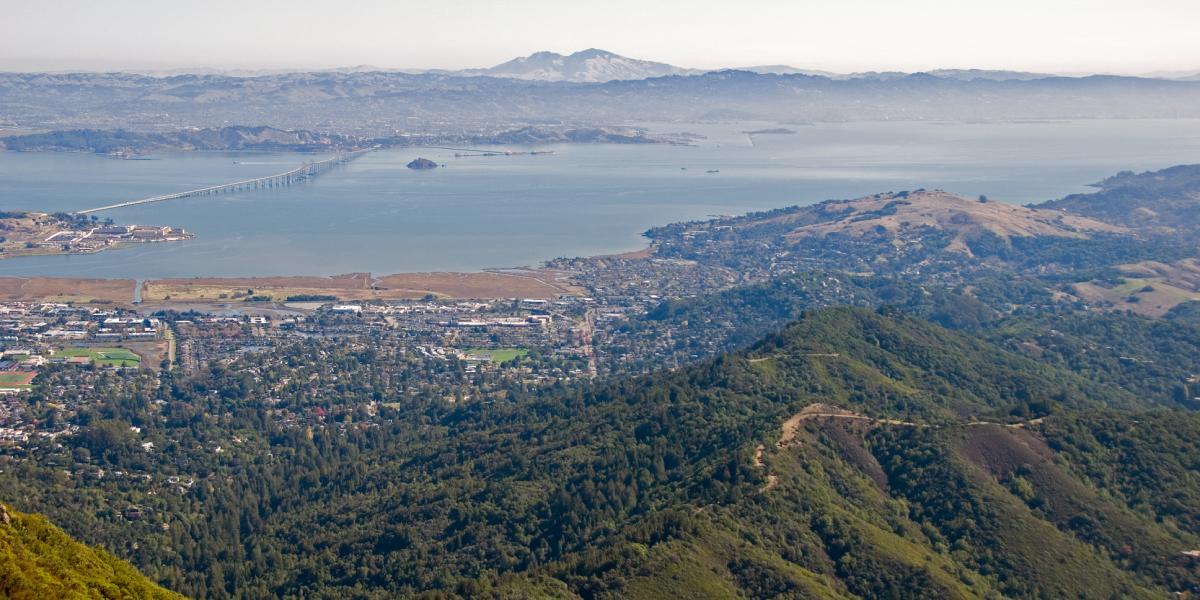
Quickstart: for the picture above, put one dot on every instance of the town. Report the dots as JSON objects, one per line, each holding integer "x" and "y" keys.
{"x": 52, "y": 354}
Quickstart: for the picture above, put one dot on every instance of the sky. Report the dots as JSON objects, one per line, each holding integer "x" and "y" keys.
{"x": 1062, "y": 36}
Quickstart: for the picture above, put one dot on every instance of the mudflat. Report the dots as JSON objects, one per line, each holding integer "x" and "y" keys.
{"x": 60, "y": 289}
{"x": 363, "y": 286}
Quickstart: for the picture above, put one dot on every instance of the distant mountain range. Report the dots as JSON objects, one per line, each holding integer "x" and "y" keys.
{"x": 586, "y": 89}
{"x": 599, "y": 66}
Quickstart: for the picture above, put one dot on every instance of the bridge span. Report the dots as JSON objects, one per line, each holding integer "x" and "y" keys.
{"x": 300, "y": 174}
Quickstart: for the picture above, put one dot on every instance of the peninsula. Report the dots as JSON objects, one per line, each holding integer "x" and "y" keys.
{"x": 33, "y": 233}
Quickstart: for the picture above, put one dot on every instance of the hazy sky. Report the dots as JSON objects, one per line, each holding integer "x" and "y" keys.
{"x": 838, "y": 35}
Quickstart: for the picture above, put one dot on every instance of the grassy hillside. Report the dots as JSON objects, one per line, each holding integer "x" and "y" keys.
{"x": 38, "y": 560}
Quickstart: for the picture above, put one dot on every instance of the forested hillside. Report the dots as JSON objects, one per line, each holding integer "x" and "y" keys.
{"x": 854, "y": 454}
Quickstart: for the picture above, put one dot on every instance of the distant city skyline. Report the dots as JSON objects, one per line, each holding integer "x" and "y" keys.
{"x": 1057, "y": 36}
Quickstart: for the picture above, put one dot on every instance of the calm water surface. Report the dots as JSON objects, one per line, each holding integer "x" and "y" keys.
{"x": 375, "y": 215}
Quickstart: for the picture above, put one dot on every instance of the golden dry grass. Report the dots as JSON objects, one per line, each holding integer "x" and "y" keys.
{"x": 55, "y": 289}
{"x": 361, "y": 286}
{"x": 1155, "y": 303}
{"x": 1150, "y": 288}
{"x": 946, "y": 211}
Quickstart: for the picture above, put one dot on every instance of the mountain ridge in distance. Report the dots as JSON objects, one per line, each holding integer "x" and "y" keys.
{"x": 372, "y": 103}
{"x": 596, "y": 65}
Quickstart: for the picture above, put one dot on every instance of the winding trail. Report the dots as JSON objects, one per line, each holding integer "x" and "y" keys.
{"x": 791, "y": 429}
{"x": 827, "y": 411}
{"x": 772, "y": 479}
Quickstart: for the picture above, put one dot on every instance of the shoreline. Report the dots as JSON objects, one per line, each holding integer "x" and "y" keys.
{"x": 489, "y": 283}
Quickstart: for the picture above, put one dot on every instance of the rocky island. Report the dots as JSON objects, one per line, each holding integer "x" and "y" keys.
{"x": 422, "y": 164}
{"x": 771, "y": 131}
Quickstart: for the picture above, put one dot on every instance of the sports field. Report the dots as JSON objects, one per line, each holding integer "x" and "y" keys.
{"x": 498, "y": 355}
{"x": 109, "y": 357}
{"x": 16, "y": 378}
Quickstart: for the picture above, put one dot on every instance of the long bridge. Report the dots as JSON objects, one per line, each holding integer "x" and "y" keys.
{"x": 300, "y": 174}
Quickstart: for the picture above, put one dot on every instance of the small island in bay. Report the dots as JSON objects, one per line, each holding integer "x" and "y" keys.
{"x": 772, "y": 131}
{"x": 33, "y": 233}
{"x": 421, "y": 164}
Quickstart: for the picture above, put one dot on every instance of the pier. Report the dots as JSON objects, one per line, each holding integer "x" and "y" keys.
{"x": 300, "y": 174}
{"x": 466, "y": 152}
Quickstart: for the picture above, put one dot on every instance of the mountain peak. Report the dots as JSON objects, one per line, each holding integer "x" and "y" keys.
{"x": 595, "y": 53}
{"x": 592, "y": 65}
{"x": 543, "y": 54}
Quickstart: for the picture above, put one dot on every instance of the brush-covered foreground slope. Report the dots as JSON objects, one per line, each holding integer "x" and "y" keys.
{"x": 852, "y": 455}
{"x": 38, "y": 560}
